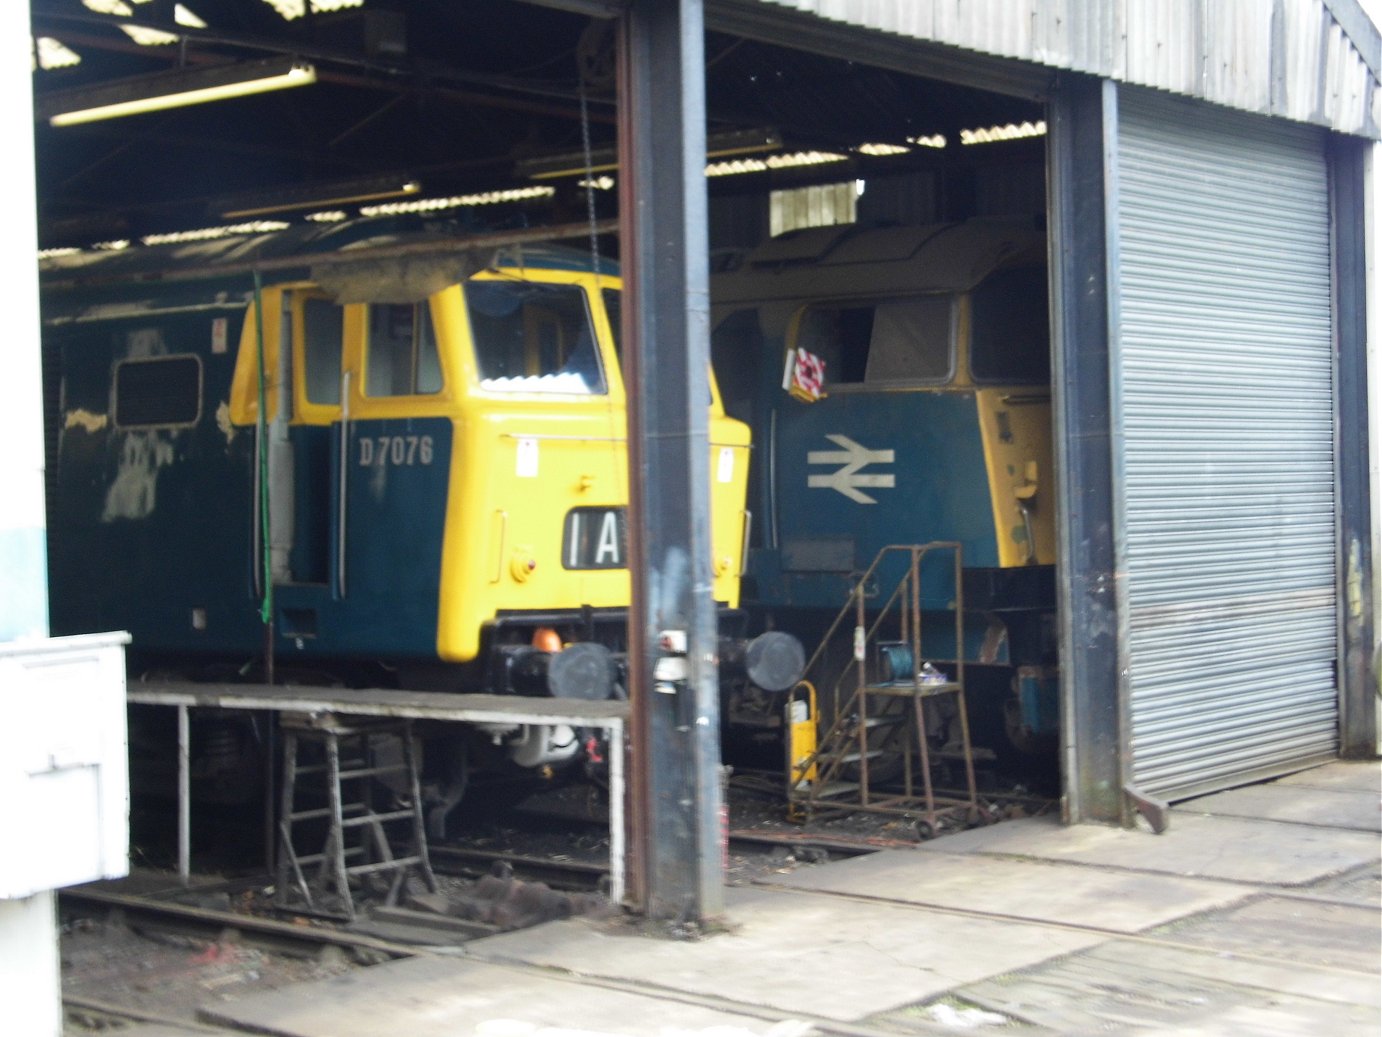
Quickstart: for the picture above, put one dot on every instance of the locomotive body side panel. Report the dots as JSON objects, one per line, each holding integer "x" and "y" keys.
{"x": 150, "y": 521}
{"x": 395, "y": 505}
{"x": 858, "y": 471}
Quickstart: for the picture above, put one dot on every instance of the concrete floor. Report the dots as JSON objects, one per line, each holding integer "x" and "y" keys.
{"x": 1259, "y": 911}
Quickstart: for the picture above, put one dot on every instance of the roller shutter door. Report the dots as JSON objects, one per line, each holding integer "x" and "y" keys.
{"x": 1223, "y": 391}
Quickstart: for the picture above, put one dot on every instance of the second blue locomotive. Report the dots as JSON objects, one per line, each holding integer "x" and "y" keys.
{"x": 897, "y": 381}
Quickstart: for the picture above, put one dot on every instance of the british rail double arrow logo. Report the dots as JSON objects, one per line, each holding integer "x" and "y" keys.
{"x": 847, "y": 480}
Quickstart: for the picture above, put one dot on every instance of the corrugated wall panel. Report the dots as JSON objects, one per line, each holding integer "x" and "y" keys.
{"x": 1092, "y": 35}
{"x": 1223, "y": 377}
{"x": 1052, "y": 44}
{"x": 1304, "y": 46}
{"x": 1281, "y": 57}
{"x": 1238, "y": 54}
{"x": 1348, "y": 91}
{"x": 1163, "y": 44}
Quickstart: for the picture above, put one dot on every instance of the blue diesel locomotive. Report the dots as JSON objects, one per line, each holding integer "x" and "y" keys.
{"x": 382, "y": 466}
{"x": 897, "y": 383}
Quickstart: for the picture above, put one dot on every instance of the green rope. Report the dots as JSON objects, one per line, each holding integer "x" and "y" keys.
{"x": 266, "y": 606}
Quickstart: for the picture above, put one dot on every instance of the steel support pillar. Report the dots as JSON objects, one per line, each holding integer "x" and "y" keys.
{"x": 679, "y": 870}
{"x": 1357, "y": 674}
{"x": 1083, "y": 199}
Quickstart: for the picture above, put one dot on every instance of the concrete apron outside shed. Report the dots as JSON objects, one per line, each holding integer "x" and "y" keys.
{"x": 1259, "y": 911}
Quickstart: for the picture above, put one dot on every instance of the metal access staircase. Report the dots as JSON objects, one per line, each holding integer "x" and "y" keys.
{"x": 882, "y": 699}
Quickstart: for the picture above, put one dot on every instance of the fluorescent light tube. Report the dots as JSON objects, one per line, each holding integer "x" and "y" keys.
{"x": 174, "y": 90}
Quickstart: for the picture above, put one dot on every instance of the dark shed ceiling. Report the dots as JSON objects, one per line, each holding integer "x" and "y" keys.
{"x": 456, "y": 95}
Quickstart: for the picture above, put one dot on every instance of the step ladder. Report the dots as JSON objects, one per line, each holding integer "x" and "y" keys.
{"x": 883, "y": 695}
{"x": 331, "y": 836}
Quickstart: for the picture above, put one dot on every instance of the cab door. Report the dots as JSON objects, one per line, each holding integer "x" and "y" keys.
{"x": 306, "y": 503}
{"x": 395, "y": 430}
{"x": 318, "y": 328}
{"x": 296, "y": 467}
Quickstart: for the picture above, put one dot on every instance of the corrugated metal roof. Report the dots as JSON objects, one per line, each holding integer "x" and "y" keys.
{"x": 1313, "y": 61}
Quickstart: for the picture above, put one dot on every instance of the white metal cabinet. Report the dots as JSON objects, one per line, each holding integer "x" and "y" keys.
{"x": 64, "y": 772}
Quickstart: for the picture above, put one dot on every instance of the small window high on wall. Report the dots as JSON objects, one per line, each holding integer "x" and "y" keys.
{"x": 820, "y": 205}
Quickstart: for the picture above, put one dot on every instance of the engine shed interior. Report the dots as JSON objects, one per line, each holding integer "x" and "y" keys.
{"x": 491, "y": 112}
{"x": 502, "y": 116}
{"x": 370, "y": 343}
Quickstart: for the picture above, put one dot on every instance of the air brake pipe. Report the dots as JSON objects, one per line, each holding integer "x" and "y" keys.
{"x": 266, "y": 607}
{"x": 266, "y": 604}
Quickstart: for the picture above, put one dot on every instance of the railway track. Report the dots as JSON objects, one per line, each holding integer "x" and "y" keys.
{"x": 394, "y": 929}
{"x": 158, "y": 913}
{"x": 100, "y": 1016}
{"x": 574, "y": 875}
{"x": 529, "y": 830}
{"x": 155, "y": 961}
{"x": 165, "y": 916}
{"x": 588, "y": 876}
{"x": 567, "y": 826}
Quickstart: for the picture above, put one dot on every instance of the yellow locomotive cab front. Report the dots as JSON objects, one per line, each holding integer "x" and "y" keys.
{"x": 536, "y": 528}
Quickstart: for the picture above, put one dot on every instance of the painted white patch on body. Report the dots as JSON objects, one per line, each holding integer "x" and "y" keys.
{"x": 223, "y": 422}
{"x": 133, "y": 493}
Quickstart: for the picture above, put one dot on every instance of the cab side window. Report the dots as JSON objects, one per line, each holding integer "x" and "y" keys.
{"x": 883, "y": 342}
{"x": 1010, "y": 328}
{"x": 401, "y": 351}
{"x": 321, "y": 345}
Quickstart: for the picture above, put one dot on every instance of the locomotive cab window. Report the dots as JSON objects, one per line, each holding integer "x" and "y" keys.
{"x": 533, "y": 338}
{"x": 321, "y": 345}
{"x": 158, "y": 391}
{"x": 401, "y": 351}
{"x": 888, "y": 342}
{"x": 614, "y": 313}
{"x": 1010, "y": 328}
